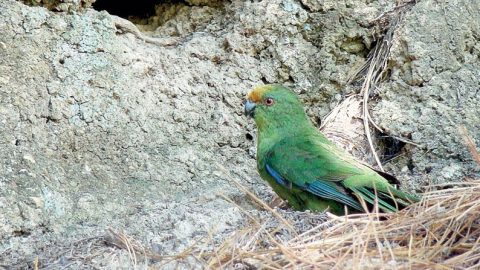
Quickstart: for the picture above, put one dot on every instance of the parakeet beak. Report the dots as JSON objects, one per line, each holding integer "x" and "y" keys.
{"x": 249, "y": 108}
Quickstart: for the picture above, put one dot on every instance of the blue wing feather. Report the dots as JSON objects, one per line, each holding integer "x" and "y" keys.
{"x": 318, "y": 188}
{"x": 328, "y": 192}
{"x": 278, "y": 178}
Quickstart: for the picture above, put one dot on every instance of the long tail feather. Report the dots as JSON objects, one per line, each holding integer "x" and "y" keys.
{"x": 369, "y": 197}
{"x": 409, "y": 198}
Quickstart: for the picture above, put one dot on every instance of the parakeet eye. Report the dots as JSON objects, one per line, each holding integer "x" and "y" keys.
{"x": 269, "y": 101}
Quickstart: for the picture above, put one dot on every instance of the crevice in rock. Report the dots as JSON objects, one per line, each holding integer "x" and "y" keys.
{"x": 140, "y": 9}
{"x": 148, "y": 15}
{"x": 390, "y": 147}
{"x": 21, "y": 233}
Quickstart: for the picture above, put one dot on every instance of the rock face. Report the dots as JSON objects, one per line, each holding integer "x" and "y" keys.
{"x": 99, "y": 128}
{"x": 433, "y": 89}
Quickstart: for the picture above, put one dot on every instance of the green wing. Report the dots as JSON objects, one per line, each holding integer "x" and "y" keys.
{"x": 315, "y": 165}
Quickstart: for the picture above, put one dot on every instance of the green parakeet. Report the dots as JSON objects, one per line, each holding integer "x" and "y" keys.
{"x": 305, "y": 168}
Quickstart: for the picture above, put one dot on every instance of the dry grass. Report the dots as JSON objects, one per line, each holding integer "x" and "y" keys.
{"x": 440, "y": 232}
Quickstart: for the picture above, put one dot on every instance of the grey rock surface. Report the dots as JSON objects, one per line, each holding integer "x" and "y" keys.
{"x": 101, "y": 130}
{"x": 433, "y": 90}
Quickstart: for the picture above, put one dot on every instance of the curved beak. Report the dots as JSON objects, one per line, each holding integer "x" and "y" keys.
{"x": 249, "y": 108}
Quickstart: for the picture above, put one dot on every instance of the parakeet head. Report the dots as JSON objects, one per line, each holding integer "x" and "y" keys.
{"x": 274, "y": 106}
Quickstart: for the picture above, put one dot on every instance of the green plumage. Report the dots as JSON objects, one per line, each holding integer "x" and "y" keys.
{"x": 305, "y": 168}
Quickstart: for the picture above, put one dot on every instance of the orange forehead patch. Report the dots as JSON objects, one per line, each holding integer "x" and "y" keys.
{"x": 257, "y": 93}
